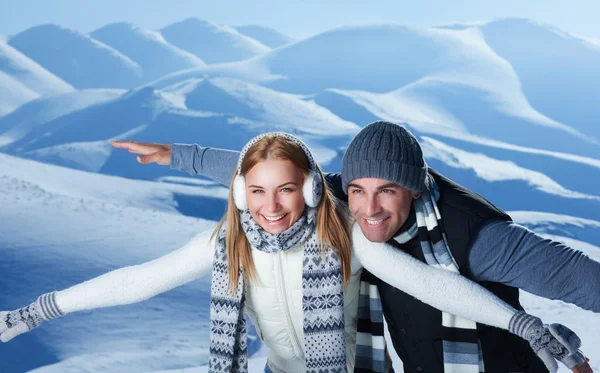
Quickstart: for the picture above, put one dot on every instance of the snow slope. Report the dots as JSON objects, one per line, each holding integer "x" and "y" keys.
{"x": 147, "y": 48}
{"x": 77, "y": 58}
{"x": 211, "y": 42}
{"x": 265, "y": 35}
{"x": 217, "y": 112}
{"x": 559, "y": 71}
{"x": 22, "y": 79}
{"x": 61, "y": 227}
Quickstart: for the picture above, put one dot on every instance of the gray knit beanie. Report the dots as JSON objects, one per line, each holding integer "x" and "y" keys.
{"x": 387, "y": 151}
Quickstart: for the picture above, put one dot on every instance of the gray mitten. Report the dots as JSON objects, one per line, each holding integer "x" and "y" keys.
{"x": 24, "y": 319}
{"x": 550, "y": 342}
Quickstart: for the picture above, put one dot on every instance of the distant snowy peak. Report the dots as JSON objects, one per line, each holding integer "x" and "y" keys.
{"x": 211, "y": 42}
{"x": 22, "y": 80}
{"x": 29, "y": 72}
{"x": 147, "y": 48}
{"x": 77, "y": 58}
{"x": 509, "y": 24}
{"x": 559, "y": 71}
{"x": 267, "y": 36}
{"x": 258, "y": 104}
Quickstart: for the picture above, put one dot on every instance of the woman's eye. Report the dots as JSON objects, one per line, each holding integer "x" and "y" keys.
{"x": 256, "y": 191}
{"x": 287, "y": 190}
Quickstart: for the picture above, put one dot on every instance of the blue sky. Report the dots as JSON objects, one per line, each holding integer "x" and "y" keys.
{"x": 294, "y": 17}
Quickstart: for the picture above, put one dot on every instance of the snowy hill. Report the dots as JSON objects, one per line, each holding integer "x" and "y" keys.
{"x": 77, "y": 58}
{"x": 18, "y": 124}
{"x": 559, "y": 71}
{"x": 529, "y": 188}
{"x": 267, "y": 36}
{"x": 218, "y": 112}
{"x": 212, "y": 43}
{"x": 87, "y": 224}
{"x": 439, "y": 70}
{"x": 22, "y": 80}
{"x": 147, "y": 48}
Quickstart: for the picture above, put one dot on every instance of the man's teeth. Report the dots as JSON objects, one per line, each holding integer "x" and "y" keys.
{"x": 374, "y": 222}
{"x": 274, "y": 218}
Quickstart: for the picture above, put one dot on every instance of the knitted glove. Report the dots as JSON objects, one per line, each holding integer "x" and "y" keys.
{"x": 550, "y": 342}
{"x": 24, "y": 319}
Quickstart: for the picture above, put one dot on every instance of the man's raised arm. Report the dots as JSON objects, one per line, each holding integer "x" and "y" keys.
{"x": 216, "y": 164}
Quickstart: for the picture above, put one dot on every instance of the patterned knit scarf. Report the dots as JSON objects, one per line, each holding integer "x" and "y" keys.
{"x": 462, "y": 351}
{"x": 322, "y": 300}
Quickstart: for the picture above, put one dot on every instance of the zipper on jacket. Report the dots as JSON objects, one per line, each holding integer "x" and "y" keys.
{"x": 294, "y": 337}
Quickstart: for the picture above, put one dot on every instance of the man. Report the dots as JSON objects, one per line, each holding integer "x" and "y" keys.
{"x": 394, "y": 197}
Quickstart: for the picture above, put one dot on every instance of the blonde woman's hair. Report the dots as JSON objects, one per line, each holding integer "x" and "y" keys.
{"x": 332, "y": 226}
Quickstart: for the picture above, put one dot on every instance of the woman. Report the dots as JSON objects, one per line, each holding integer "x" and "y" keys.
{"x": 282, "y": 254}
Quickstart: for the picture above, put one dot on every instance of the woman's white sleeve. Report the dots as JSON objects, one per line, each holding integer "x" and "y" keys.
{"x": 447, "y": 291}
{"x": 140, "y": 282}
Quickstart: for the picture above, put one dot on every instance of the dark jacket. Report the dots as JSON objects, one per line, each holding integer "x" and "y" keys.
{"x": 416, "y": 328}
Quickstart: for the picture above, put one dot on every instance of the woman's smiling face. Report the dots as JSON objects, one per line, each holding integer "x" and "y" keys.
{"x": 274, "y": 194}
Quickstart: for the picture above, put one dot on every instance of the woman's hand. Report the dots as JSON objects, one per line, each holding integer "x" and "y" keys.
{"x": 14, "y": 323}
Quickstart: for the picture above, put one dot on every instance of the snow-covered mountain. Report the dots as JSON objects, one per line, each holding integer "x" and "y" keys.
{"x": 265, "y": 35}
{"x": 23, "y": 80}
{"x": 218, "y": 112}
{"x": 77, "y": 58}
{"x": 147, "y": 48}
{"x": 211, "y": 42}
{"x": 559, "y": 72}
{"x": 507, "y": 108}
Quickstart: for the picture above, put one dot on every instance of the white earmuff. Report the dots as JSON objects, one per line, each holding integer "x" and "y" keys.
{"x": 239, "y": 193}
{"x": 312, "y": 189}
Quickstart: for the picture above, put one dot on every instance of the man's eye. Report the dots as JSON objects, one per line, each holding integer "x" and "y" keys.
{"x": 355, "y": 191}
{"x": 387, "y": 191}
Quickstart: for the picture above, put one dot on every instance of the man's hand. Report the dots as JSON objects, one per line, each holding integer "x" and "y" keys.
{"x": 149, "y": 152}
{"x": 551, "y": 343}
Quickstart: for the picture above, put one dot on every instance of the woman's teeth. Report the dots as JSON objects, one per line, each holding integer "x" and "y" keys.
{"x": 274, "y": 218}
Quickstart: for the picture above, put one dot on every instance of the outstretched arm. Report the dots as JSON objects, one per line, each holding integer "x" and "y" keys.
{"x": 216, "y": 164}
{"x": 122, "y": 286}
{"x": 213, "y": 163}
{"x": 511, "y": 254}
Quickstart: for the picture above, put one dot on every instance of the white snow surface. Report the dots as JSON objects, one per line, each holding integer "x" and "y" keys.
{"x": 83, "y": 61}
{"x": 493, "y": 170}
{"x": 22, "y": 80}
{"x": 147, "y": 48}
{"x": 211, "y": 42}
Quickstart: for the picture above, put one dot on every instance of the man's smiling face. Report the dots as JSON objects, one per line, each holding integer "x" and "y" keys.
{"x": 379, "y": 206}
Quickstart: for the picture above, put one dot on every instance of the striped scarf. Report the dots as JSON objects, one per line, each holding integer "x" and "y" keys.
{"x": 322, "y": 300}
{"x": 461, "y": 347}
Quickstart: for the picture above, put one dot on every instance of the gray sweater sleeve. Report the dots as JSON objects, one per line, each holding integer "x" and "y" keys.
{"x": 511, "y": 254}
{"x": 216, "y": 164}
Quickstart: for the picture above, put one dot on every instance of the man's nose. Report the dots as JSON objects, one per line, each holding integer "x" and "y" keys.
{"x": 373, "y": 206}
